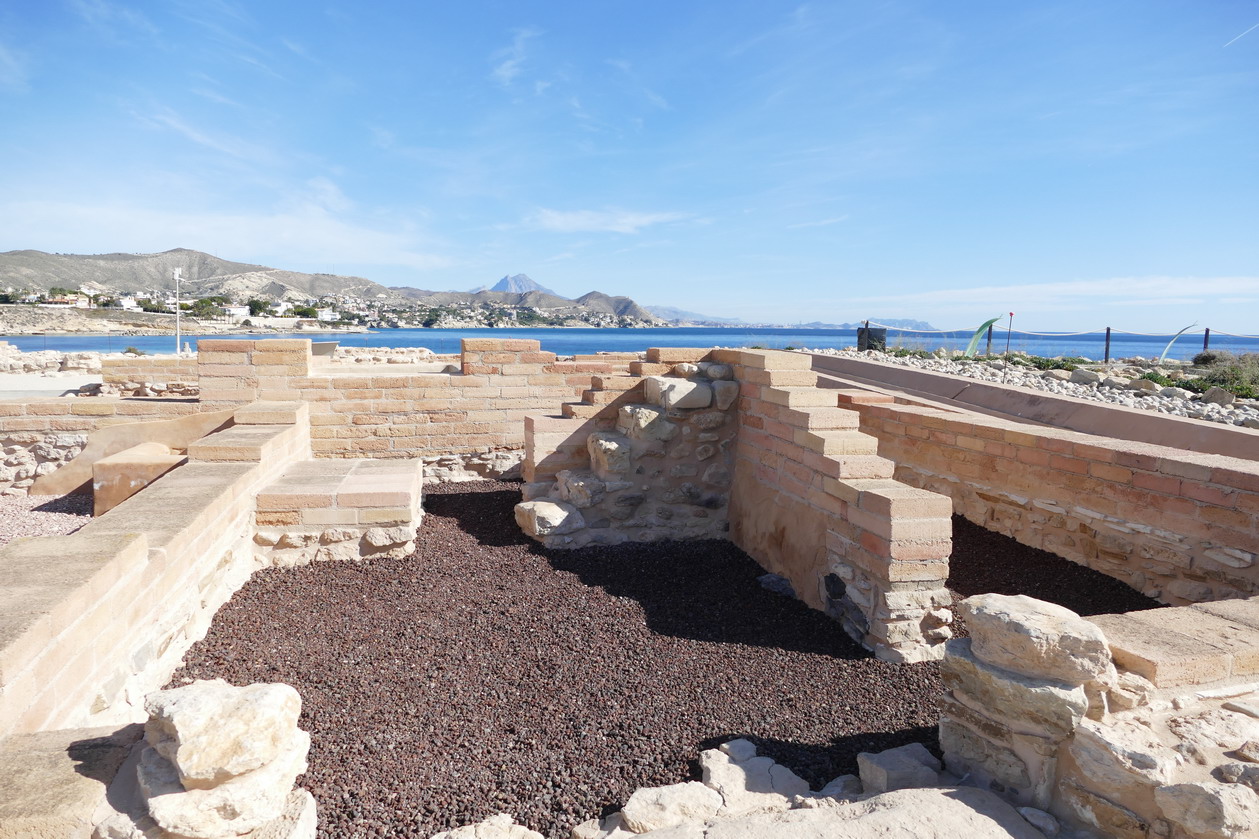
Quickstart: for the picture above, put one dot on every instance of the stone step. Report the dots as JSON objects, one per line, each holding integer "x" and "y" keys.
{"x": 332, "y": 492}
{"x": 245, "y": 443}
{"x": 272, "y": 413}
{"x": 603, "y": 398}
{"x": 815, "y": 419}
{"x": 614, "y": 383}
{"x": 800, "y": 397}
{"x": 649, "y": 368}
{"x": 857, "y": 396}
{"x": 1165, "y": 657}
{"x": 837, "y": 442}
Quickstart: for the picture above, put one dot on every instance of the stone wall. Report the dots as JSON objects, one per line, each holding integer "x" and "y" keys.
{"x": 40, "y": 435}
{"x": 92, "y": 621}
{"x": 809, "y": 497}
{"x": 655, "y": 466}
{"x": 814, "y": 502}
{"x": 464, "y": 425}
{"x": 149, "y": 368}
{"x": 1179, "y": 526}
{"x": 1137, "y": 726}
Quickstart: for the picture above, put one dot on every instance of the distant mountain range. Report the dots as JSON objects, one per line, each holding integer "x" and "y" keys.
{"x": 203, "y": 275}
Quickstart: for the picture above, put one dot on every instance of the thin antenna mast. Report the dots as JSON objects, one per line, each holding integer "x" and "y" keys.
{"x": 177, "y": 334}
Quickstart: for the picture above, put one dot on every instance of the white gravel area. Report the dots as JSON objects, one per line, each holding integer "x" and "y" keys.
{"x": 42, "y": 515}
{"x": 1175, "y": 401}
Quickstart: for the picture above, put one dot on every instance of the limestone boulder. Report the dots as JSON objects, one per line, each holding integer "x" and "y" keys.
{"x": 579, "y": 488}
{"x": 907, "y": 767}
{"x": 610, "y": 454}
{"x": 724, "y": 394}
{"x": 1122, "y": 754}
{"x": 677, "y": 393}
{"x": 547, "y": 518}
{"x": 1080, "y": 376}
{"x": 212, "y": 731}
{"x": 653, "y": 808}
{"x": 1218, "y": 396}
{"x": 502, "y": 826}
{"x": 1035, "y": 638}
{"x": 644, "y": 422}
{"x": 1051, "y": 708}
{"x": 237, "y": 806}
{"x": 1210, "y": 810}
{"x": 748, "y": 783}
{"x": 944, "y": 813}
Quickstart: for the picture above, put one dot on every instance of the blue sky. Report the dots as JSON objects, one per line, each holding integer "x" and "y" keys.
{"x": 1083, "y": 164}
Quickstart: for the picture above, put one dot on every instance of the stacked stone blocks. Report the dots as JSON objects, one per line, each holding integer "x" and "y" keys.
{"x": 815, "y": 502}
{"x": 1179, "y": 526}
{"x": 641, "y": 459}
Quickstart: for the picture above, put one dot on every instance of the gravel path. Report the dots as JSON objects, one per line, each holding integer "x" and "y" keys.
{"x": 1241, "y": 412}
{"x": 41, "y": 515}
{"x": 485, "y": 674}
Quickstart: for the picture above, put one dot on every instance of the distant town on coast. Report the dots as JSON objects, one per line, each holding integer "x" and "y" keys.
{"x": 135, "y": 292}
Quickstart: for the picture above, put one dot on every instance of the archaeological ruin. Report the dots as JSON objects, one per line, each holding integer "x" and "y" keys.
{"x": 840, "y": 477}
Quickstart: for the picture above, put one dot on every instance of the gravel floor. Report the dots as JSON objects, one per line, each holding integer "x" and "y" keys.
{"x": 42, "y": 515}
{"x": 485, "y": 674}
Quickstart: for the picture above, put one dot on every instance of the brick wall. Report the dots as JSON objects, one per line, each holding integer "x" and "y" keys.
{"x": 1176, "y": 525}
{"x": 147, "y": 368}
{"x": 813, "y": 501}
{"x": 92, "y": 621}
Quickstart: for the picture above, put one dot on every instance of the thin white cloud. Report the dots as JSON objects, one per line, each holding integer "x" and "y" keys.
{"x": 13, "y": 74}
{"x": 215, "y": 97}
{"x": 222, "y": 143}
{"x": 113, "y": 18}
{"x": 597, "y": 221}
{"x": 826, "y": 222}
{"x": 296, "y": 48}
{"x": 511, "y": 60}
{"x": 559, "y": 257}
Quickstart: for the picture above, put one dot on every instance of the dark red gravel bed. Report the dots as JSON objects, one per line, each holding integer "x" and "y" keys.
{"x": 485, "y": 674}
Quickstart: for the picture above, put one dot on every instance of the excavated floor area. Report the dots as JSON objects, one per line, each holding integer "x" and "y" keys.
{"x": 485, "y": 674}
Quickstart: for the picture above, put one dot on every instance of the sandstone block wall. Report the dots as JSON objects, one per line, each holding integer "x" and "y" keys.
{"x": 1176, "y": 525}
{"x": 148, "y": 368}
{"x": 812, "y": 500}
{"x": 38, "y": 436}
{"x": 92, "y": 621}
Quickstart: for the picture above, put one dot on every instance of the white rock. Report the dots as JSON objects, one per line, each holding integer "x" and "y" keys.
{"x": 502, "y": 826}
{"x": 652, "y": 808}
{"x": 1082, "y": 376}
{"x": 581, "y": 489}
{"x": 749, "y": 784}
{"x": 546, "y": 518}
{"x": 610, "y": 454}
{"x": 1035, "y": 638}
{"x": 1210, "y": 810}
{"x": 237, "y": 806}
{"x": 1122, "y": 754}
{"x": 1040, "y": 820}
{"x": 906, "y": 767}
{"x": 212, "y": 731}
{"x": 643, "y": 422}
{"x": 677, "y": 393}
{"x": 724, "y": 394}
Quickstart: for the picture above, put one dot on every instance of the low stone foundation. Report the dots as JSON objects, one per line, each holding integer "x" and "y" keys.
{"x": 662, "y": 473}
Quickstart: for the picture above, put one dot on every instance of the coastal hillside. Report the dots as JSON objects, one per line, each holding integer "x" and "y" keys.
{"x": 203, "y": 275}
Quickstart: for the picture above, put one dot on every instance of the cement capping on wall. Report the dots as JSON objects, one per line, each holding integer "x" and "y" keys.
{"x": 1081, "y": 415}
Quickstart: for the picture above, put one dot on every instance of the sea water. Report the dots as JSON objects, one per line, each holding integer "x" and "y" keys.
{"x": 574, "y": 341}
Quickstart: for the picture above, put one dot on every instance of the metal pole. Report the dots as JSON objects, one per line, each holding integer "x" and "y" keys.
{"x": 177, "y": 330}
{"x": 1107, "y": 358}
{"x": 1206, "y": 339}
{"x": 988, "y": 348}
{"x": 1009, "y": 331}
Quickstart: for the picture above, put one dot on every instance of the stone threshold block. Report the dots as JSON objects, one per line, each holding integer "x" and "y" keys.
{"x": 245, "y": 443}
{"x": 52, "y": 782}
{"x": 120, "y": 476}
{"x": 339, "y": 509}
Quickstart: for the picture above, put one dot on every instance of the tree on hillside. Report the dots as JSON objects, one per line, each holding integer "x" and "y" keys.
{"x": 305, "y": 312}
